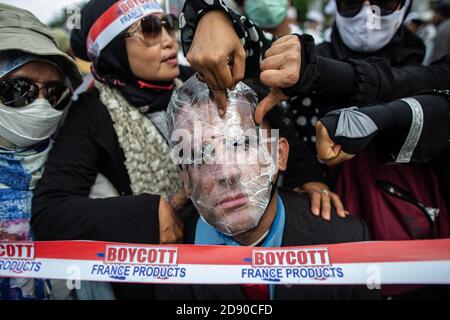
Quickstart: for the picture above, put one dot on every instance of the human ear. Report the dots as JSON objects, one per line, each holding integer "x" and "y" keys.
{"x": 283, "y": 154}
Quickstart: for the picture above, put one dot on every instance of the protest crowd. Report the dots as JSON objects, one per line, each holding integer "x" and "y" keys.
{"x": 336, "y": 115}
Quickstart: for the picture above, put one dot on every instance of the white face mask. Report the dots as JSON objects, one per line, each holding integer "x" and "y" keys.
{"x": 29, "y": 125}
{"x": 369, "y": 31}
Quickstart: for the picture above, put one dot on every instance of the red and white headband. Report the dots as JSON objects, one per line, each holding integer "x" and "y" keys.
{"x": 116, "y": 19}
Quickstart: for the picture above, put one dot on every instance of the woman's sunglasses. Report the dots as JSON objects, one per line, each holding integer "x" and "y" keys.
{"x": 150, "y": 30}
{"x": 17, "y": 93}
{"x": 350, "y": 8}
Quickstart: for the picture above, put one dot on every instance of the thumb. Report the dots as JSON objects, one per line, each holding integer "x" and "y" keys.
{"x": 337, "y": 149}
{"x": 327, "y": 152}
{"x": 326, "y": 148}
{"x": 268, "y": 103}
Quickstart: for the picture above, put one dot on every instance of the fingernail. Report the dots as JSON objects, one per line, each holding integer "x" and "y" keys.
{"x": 315, "y": 211}
{"x": 347, "y": 213}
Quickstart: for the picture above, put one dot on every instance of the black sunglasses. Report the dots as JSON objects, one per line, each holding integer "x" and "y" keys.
{"x": 17, "y": 93}
{"x": 151, "y": 28}
{"x": 350, "y": 8}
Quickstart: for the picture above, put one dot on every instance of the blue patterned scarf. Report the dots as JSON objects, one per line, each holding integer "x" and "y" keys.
{"x": 19, "y": 173}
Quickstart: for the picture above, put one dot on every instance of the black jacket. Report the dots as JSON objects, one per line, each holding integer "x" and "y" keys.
{"x": 61, "y": 208}
{"x": 301, "y": 229}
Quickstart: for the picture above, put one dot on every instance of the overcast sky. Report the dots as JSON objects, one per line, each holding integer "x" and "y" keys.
{"x": 45, "y": 10}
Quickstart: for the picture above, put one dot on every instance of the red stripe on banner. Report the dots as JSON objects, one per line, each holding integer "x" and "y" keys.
{"x": 362, "y": 252}
{"x": 73, "y": 250}
{"x": 391, "y": 251}
{"x": 108, "y": 17}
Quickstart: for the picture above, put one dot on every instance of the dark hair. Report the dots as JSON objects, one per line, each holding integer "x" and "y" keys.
{"x": 239, "y": 2}
{"x": 443, "y": 8}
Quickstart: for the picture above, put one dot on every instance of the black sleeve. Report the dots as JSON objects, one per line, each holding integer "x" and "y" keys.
{"x": 365, "y": 82}
{"x": 396, "y": 116}
{"x": 62, "y": 209}
{"x": 426, "y": 136}
{"x": 378, "y": 82}
{"x": 324, "y": 75}
{"x": 412, "y": 130}
{"x": 255, "y": 41}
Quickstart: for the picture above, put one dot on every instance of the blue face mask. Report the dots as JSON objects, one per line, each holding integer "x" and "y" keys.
{"x": 266, "y": 13}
